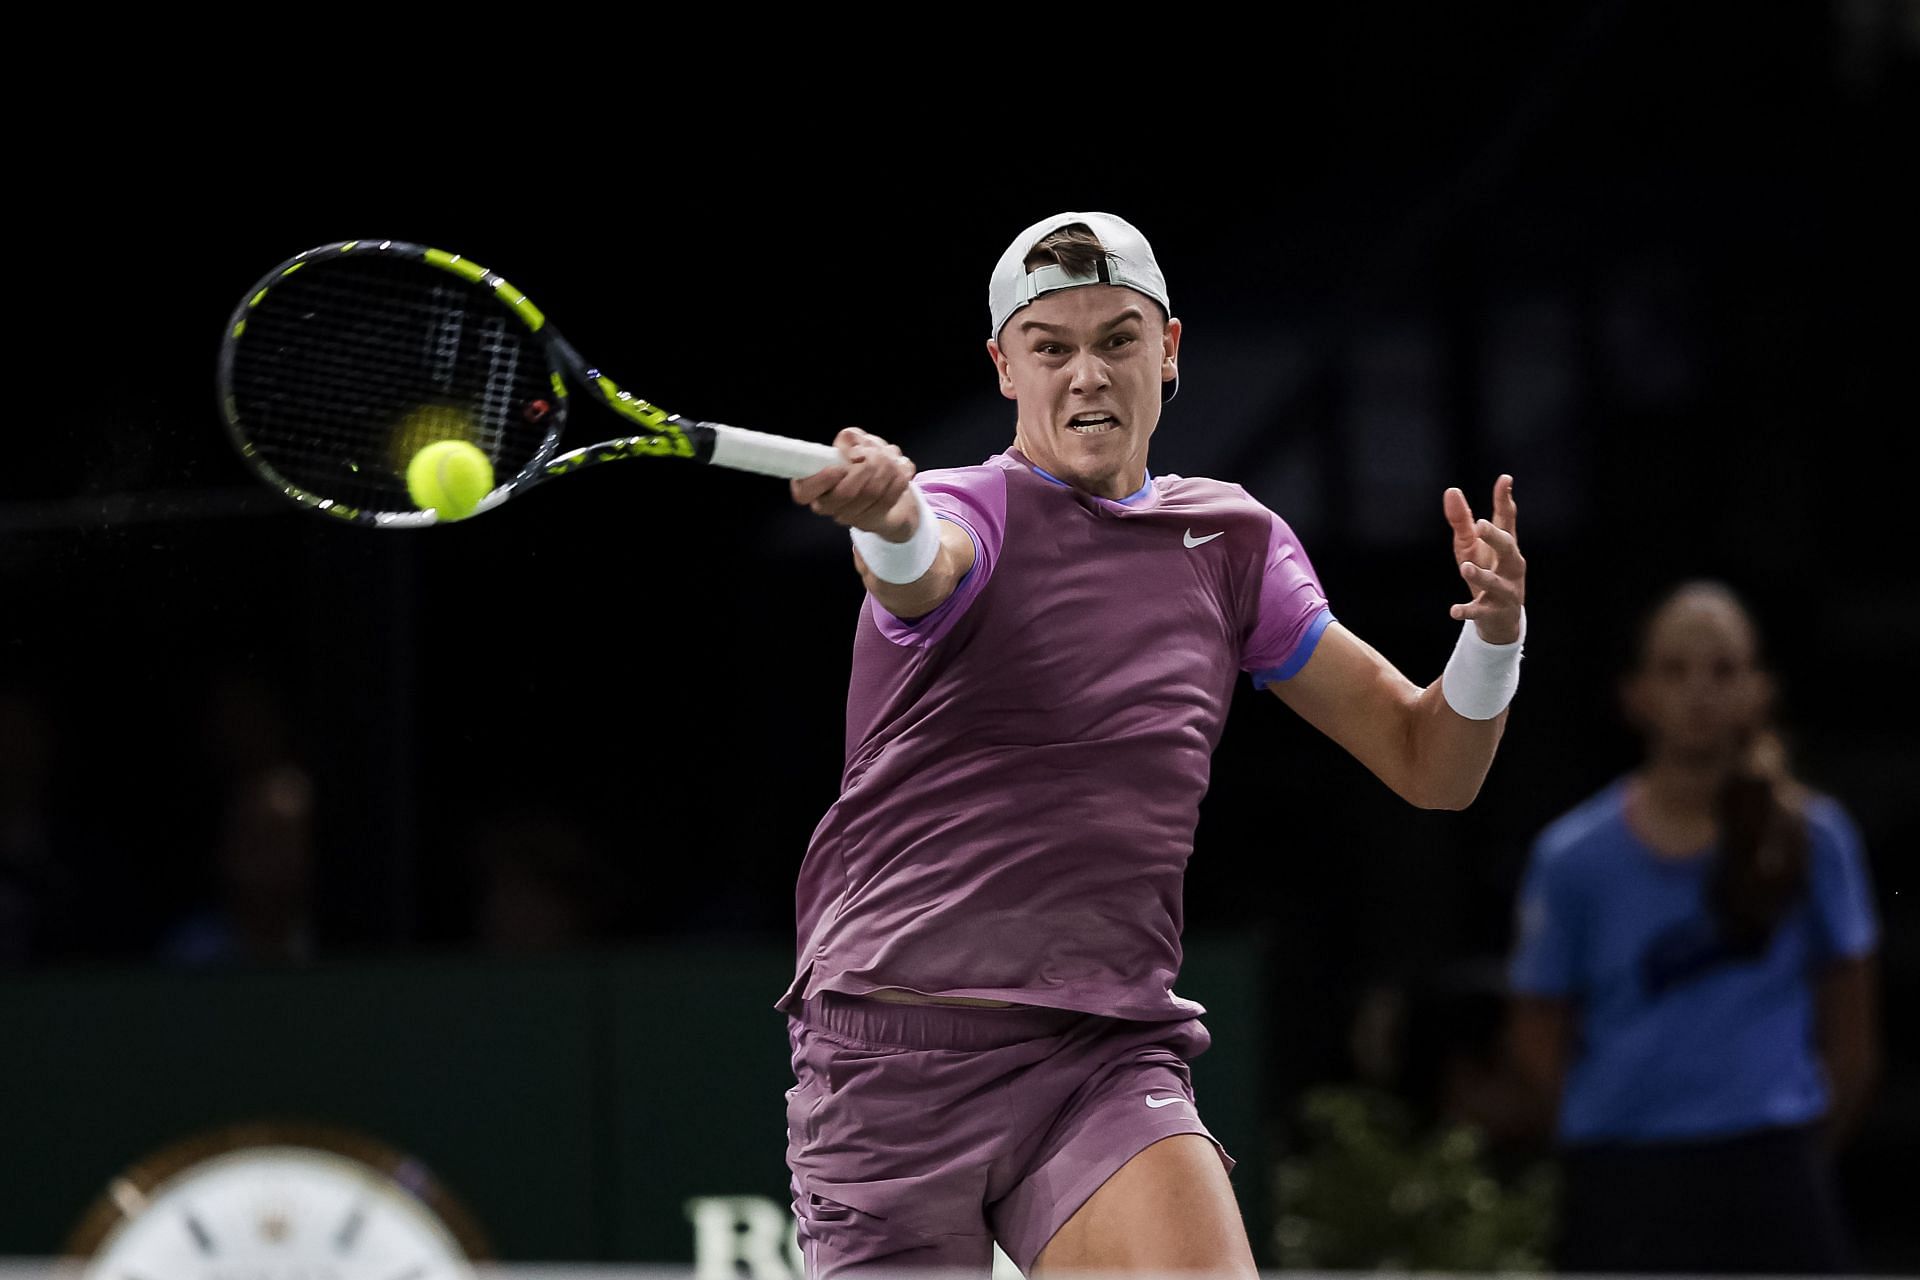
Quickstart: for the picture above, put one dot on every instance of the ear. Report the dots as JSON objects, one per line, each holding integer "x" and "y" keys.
{"x": 1000, "y": 365}
{"x": 1170, "y": 348}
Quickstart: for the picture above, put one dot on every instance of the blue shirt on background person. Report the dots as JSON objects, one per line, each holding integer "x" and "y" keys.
{"x": 1680, "y": 1035}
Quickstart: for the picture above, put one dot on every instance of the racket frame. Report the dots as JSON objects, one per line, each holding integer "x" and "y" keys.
{"x": 658, "y": 433}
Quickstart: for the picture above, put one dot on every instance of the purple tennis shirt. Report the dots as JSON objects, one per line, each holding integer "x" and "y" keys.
{"x": 1024, "y": 765}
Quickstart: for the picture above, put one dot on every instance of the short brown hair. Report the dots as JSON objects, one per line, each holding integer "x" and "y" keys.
{"x": 1073, "y": 246}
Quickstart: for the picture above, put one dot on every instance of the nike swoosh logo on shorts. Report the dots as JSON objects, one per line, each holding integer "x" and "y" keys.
{"x": 1193, "y": 542}
{"x": 1157, "y": 1103}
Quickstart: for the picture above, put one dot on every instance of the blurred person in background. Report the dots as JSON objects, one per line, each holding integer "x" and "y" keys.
{"x": 546, "y": 885}
{"x": 1694, "y": 976}
{"x": 1436, "y": 1039}
{"x": 262, "y": 904}
{"x": 251, "y": 880}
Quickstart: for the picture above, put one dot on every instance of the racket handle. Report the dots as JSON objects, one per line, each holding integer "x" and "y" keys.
{"x": 769, "y": 455}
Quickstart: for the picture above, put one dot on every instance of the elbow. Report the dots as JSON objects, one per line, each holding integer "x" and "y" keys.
{"x": 1858, "y": 1074}
{"x": 1441, "y": 768}
{"x": 1853, "y": 1077}
{"x": 1449, "y": 796}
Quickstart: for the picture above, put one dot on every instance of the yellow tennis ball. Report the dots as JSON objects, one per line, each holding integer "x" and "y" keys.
{"x": 450, "y": 476}
{"x": 424, "y": 424}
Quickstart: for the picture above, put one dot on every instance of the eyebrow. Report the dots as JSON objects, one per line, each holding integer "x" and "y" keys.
{"x": 1131, "y": 313}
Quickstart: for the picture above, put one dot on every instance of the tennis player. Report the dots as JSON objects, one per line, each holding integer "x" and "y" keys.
{"x": 986, "y": 1040}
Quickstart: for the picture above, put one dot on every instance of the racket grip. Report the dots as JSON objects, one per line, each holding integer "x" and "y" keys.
{"x": 769, "y": 455}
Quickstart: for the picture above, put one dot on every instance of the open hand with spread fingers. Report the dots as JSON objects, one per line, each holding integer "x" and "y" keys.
{"x": 1488, "y": 553}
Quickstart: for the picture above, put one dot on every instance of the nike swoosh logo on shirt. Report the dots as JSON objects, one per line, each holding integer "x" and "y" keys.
{"x": 1157, "y": 1103}
{"x": 1192, "y": 541}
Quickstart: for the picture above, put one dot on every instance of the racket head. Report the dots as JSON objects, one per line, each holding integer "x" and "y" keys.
{"x": 346, "y": 360}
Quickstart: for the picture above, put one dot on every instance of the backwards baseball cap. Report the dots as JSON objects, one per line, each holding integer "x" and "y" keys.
{"x": 1128, "y": 262}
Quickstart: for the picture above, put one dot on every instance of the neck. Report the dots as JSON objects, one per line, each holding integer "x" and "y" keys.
{"x": 1683, "y": 787}
{"x": 1116, "y": 485}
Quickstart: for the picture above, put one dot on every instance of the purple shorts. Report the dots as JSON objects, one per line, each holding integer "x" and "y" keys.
{"x": 919, "y": 1135}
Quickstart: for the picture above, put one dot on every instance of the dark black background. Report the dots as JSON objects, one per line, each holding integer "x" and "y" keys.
{"x": 1364, "y": 217}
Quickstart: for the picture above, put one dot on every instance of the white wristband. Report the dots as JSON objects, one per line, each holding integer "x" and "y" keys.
{"x": 902, "y": 562}
{"x": 1480, "y": 678}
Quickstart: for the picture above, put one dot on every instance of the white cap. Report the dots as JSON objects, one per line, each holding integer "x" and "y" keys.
{"x": 1129, "y": 262}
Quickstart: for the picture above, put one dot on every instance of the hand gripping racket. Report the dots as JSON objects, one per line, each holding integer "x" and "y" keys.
{"x": 342, "y": 363}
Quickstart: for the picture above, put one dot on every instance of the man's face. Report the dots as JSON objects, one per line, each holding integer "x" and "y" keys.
{"x": 1085, "y": 365}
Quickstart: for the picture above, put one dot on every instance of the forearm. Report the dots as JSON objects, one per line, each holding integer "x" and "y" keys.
{"x": 1457, "y": 722}
{"x": 1411, "y": 738}
{"x": 1849, "y": 1037}
{"x": 1851, "y": 1079}
{"x": 1448, "y": 754}
{"x": 1537, "y": 1035}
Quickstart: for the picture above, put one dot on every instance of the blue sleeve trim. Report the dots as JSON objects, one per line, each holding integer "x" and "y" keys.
{"x": 972, "y": 537}
{"x": 1301, "y": 652}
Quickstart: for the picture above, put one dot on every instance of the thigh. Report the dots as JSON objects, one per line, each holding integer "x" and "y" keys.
{"x": 1168, "y": 1209}
{"x": 1126, "y": 1176}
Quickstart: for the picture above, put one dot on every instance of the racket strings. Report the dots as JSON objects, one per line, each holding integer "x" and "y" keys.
{"x": 347, "y": 368}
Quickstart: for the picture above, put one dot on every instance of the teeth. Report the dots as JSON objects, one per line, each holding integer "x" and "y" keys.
{"x": 1091, "y": 426}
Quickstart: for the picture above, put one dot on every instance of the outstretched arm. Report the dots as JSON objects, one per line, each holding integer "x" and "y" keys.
{"x": 1432, "y": 746}
{"x": 873, "y": 492}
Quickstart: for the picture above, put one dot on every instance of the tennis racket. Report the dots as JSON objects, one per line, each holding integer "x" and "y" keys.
{"x": 345, "y": 361}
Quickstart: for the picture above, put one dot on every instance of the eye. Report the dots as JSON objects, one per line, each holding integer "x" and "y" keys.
{"x": 1049, "y": 349}
{"x": 1119, "y": 340}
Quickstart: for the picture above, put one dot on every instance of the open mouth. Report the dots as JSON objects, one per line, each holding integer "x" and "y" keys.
{"x": 1092, "y": 424}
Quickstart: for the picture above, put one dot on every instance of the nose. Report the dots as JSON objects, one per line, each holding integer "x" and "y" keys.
{"x": 1090, "y": 373}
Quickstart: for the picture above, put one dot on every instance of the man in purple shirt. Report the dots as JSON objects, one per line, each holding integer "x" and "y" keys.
{"x": 986, "y": 1040}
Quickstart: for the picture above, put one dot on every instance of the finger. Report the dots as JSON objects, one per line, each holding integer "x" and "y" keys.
{"x": 1492, "y": 618}
{"x": 860, "y": 494}
{"x": 859, "y": 438}
{"x": 1491, "y": 586}
{"x": 866, "y": 498}
{"x": 808, "y": 489}
{"x": 1459, "y": 514}
{"x": 849, "y": 439}
{"x": 1505, "y": 513}
{"x": 1498, "y": 538}
{"x": 882, "y": 451}
{"x": 1496, "y": 626}
{"x": 869, "y": 480}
